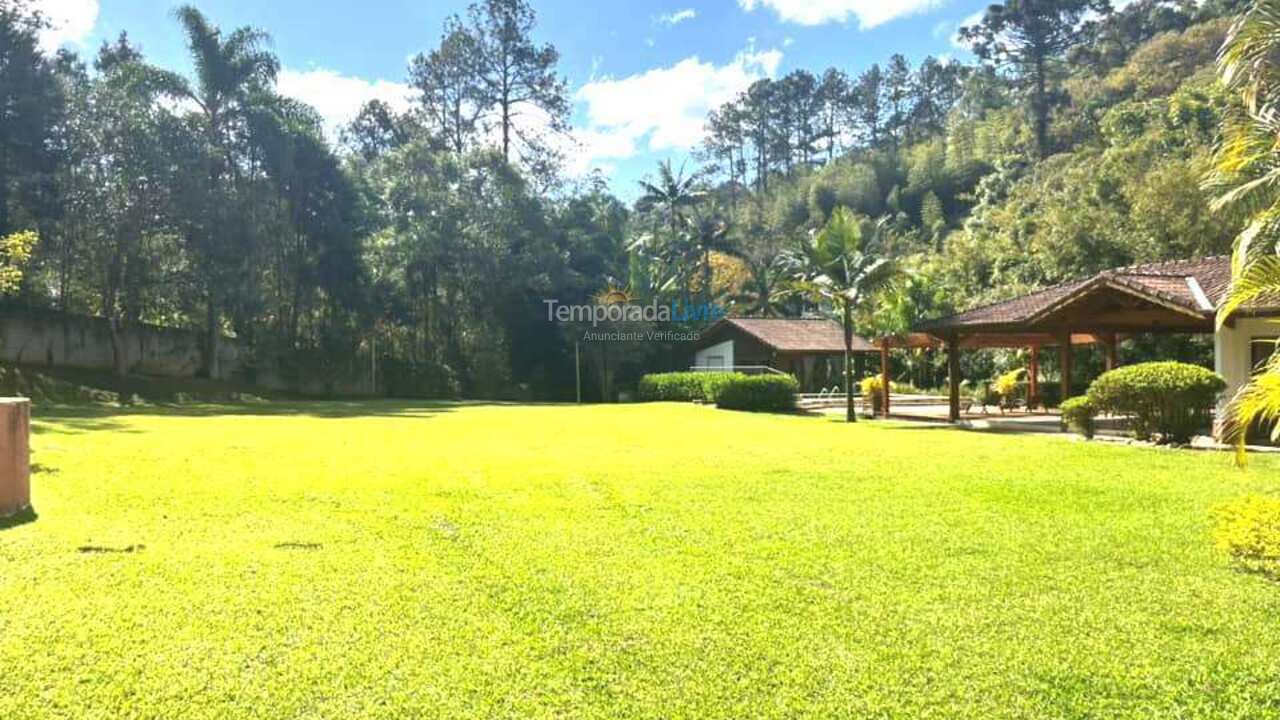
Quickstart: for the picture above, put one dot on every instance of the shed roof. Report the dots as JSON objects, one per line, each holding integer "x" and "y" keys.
{"x": 812, "y": 335}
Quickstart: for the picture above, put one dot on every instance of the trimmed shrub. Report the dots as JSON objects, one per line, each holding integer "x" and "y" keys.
{"x": 1248, "y": 530}
{"x": 1171, "y": 399}
{"x": 761, "y": 393}
{"x": 1078, "y": 415}
{"x": 684, "y": 386}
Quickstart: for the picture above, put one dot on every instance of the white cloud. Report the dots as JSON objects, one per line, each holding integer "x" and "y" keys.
{"x": 337, "y": 97}
{"x": 70, "y": 21}
{"x": 677, "y": 17}
{"x": 870, "y": 13}
{"x": 950, "y": 29}
{"x": 664, "y": 108}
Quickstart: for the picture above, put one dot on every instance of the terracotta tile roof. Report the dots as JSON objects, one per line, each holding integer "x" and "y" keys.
{"x": 1191, "y": 286}
{"x": 798, "y": 335}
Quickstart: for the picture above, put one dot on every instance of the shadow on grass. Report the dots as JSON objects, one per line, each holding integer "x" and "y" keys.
{"x": 23, "y": 517}
{"x": 109, "y": 550}
{"x": 89, "y": 418}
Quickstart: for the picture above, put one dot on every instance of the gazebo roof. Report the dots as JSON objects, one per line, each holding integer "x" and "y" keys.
{"x": 1191, "y": 289}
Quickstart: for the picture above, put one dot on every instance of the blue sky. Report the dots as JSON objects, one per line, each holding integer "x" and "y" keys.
{"x": 642, "y": 73}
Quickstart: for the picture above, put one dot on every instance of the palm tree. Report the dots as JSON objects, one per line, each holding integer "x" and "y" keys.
{"x": 1247, "y": 172}
{"x": 762, "y": 293}
{"x": 230, "y": 74}
{"x": 843, "y": 264}
{"x": 703, "y": 237}
{"x": 670, "y": 195}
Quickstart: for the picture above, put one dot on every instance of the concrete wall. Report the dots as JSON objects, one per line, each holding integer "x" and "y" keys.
{"x": 1233, "y": 350}
{"x": 74, "y": 341}
{"x": 59, "y": 340}
{"x": 701, "y": 358}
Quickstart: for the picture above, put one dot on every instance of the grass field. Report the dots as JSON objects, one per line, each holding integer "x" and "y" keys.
{"x": 384, "y": 560}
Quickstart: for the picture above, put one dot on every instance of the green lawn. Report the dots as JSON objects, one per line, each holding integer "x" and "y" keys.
{"x": 386, "y": 560}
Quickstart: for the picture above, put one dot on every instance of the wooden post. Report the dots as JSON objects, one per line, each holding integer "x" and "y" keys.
{"x": 953, "y": 376}
{"x": 1033, "y": 376}
{"x": 15, "y": 468}
{"x": 1113, "y": 355}
{"x": 1064, "y": 363}
{"x": 884, "y": 376}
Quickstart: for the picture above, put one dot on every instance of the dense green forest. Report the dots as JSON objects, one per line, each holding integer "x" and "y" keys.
{"x": 1077, "y": 141}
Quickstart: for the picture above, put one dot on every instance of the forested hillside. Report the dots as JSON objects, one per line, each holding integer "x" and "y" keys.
{"x": 1076, "y": 141}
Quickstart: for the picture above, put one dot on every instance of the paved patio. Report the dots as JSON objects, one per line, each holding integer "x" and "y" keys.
{"x": 922, "y": 409}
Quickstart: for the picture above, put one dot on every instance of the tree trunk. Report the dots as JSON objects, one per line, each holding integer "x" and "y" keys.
{"x": 211, "y": 340}
{"x": 118, "y": 360}
{"x": 850, "y": 414}
{"x": 506, "y": 131}
{"x": 1040, "y": 108}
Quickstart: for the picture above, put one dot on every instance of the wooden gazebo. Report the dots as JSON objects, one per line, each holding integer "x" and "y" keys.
{"x": 1173, "y": 297}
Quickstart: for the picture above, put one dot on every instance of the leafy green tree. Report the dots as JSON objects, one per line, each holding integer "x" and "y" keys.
{"x": 832, "y": 99}
{"x": 231, "y": 73}
{"x": 376, "y": 130}
{"x": 15, "y": 253}
{"x": 30, "y": 108}
{"x": 844, "y": 264}
{"x": 124, "y": 126}
{"x": 898, "y": 92}
{"x": 1030, "y": 37}
{"x": 452, "y": 93}
{"x": 516, "y": 75}
{"x": 935, "y": 91}
{"x": 866, "y": 106}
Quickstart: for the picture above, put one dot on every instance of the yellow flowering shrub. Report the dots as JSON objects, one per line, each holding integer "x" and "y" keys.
{"x": 1248, "y": 530}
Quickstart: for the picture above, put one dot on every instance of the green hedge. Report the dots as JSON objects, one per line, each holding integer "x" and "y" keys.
{"x": 764, "y": 393}
{"x": 1078, "y": 415}
{"x": 1171, "y": 399}
{"x": 684, "y": 386}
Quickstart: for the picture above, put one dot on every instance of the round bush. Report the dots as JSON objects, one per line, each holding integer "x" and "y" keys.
{"x": 1170, "y": 399}
{"x": 1078, "y": 415}
{"x": 761, "y": 393}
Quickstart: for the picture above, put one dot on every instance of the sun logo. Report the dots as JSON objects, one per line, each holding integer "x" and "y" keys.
{"x": 613, "y": 296}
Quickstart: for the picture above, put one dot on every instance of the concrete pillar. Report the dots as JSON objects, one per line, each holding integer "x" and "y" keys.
{"x": 15, "y": 468}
